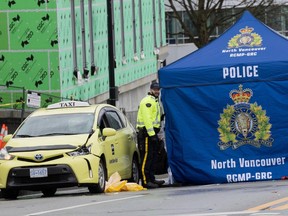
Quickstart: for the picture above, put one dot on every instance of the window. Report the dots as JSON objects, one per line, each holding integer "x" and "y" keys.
{"x": 60, "y": 124}
{"x": 277, "y": 20}
{"x": 114, "y": 120}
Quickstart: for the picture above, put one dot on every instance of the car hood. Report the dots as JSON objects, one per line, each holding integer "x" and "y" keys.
{"x": 55, "y": 143}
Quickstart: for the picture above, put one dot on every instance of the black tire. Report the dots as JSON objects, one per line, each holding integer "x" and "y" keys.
{"x": 100, "y": 186}
{"x": 135, "y": 171}
{"x": 49, "y": 192}
{"x": 10, "y": 193}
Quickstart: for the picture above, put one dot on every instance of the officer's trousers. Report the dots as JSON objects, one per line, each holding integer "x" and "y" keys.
{"x": 148, "y": 153}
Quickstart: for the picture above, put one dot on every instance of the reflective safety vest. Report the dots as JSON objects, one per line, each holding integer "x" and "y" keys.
{"x": 149, "y": 114}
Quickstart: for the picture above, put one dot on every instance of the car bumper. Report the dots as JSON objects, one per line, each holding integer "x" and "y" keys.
{"x": 64, "y": 172}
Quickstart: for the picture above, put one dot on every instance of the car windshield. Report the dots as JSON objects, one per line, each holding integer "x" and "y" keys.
{"x": 60, "y": 124}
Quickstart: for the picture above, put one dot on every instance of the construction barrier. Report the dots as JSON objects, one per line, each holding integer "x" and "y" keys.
{"x": 3, "y": 133}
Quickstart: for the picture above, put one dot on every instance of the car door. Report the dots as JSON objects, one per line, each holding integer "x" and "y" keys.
{"x": 109, "y": 145}
{"x": 122, "y": 149}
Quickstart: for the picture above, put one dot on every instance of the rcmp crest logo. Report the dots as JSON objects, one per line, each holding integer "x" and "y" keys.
{"x": 244, "y": 123}
{"x": 245, "y": 39}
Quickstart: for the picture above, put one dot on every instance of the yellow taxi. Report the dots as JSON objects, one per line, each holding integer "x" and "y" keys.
{"x": 67, "y": 144}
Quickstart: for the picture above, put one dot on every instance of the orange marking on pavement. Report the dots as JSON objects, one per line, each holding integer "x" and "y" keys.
{"x": 269, "y": 205}
{"x": 282, "y": 207}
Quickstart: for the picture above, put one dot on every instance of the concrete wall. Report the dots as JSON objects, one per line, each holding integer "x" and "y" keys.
{"x": 130, "y": 96}
{"x": 177, "y": 51}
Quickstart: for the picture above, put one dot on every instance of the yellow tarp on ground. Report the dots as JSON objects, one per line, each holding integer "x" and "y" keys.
{"x": 115, "y": 184}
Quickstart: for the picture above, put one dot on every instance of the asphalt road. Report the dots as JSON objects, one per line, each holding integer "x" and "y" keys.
{"x": 251, "y": 198}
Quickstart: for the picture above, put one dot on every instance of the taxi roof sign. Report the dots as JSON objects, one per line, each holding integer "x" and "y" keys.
{"x": 68, "y": 104}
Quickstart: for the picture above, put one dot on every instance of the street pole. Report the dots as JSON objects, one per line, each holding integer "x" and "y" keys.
{"x": 23, "y": 105}
{"x": 113, "y": 92}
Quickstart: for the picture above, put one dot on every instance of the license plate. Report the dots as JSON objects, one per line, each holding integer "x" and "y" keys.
{"x": 38, "y": 172}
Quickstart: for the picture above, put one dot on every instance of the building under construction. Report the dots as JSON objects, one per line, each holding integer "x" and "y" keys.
{"x": 100, "y": 51}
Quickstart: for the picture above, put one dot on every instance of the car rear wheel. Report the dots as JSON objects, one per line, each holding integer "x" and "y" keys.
{"x": 10, "y": 193}
{"x": 100, "y": 186}
{"x": 135, "y": 172}
{"x": 49, "y": 192}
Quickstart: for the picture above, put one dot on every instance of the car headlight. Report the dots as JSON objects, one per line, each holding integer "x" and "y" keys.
{"x": 83, "y": 150}
{"x": 4, "y": 155}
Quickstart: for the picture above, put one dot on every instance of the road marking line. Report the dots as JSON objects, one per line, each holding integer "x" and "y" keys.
{"x": 268, "y": 205}
{"x": 82, "y": 205}
{"x": 219, "y": 213}
{"x": 282, "y": 207}
{"x": 265, "y": 214}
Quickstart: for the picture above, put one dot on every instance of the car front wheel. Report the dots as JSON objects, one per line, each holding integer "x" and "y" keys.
{"x": 49, "y": 192}
{"x": 10, "y": 193}
{"x": 100, "y": 186}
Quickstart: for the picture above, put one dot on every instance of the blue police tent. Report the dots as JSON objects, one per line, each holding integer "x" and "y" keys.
{"x": 226, "y": 107}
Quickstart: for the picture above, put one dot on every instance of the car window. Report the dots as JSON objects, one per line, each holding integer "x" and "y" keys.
{"x": 103, "y": 122}
{"x": 60, "y": 124}
{"x": 123, "y": 118}
{"x": 114, "y": 120}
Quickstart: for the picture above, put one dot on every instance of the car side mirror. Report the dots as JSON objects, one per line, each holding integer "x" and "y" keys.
{"x": 108, "y": 132}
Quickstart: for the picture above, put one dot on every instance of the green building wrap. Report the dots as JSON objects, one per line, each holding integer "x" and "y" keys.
{"x": 59, "y": 48}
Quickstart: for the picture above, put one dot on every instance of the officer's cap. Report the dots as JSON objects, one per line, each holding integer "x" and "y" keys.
{"x": 154, "y": 85}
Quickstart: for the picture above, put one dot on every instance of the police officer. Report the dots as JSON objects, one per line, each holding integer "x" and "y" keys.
{"x": 148, "y": 125}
